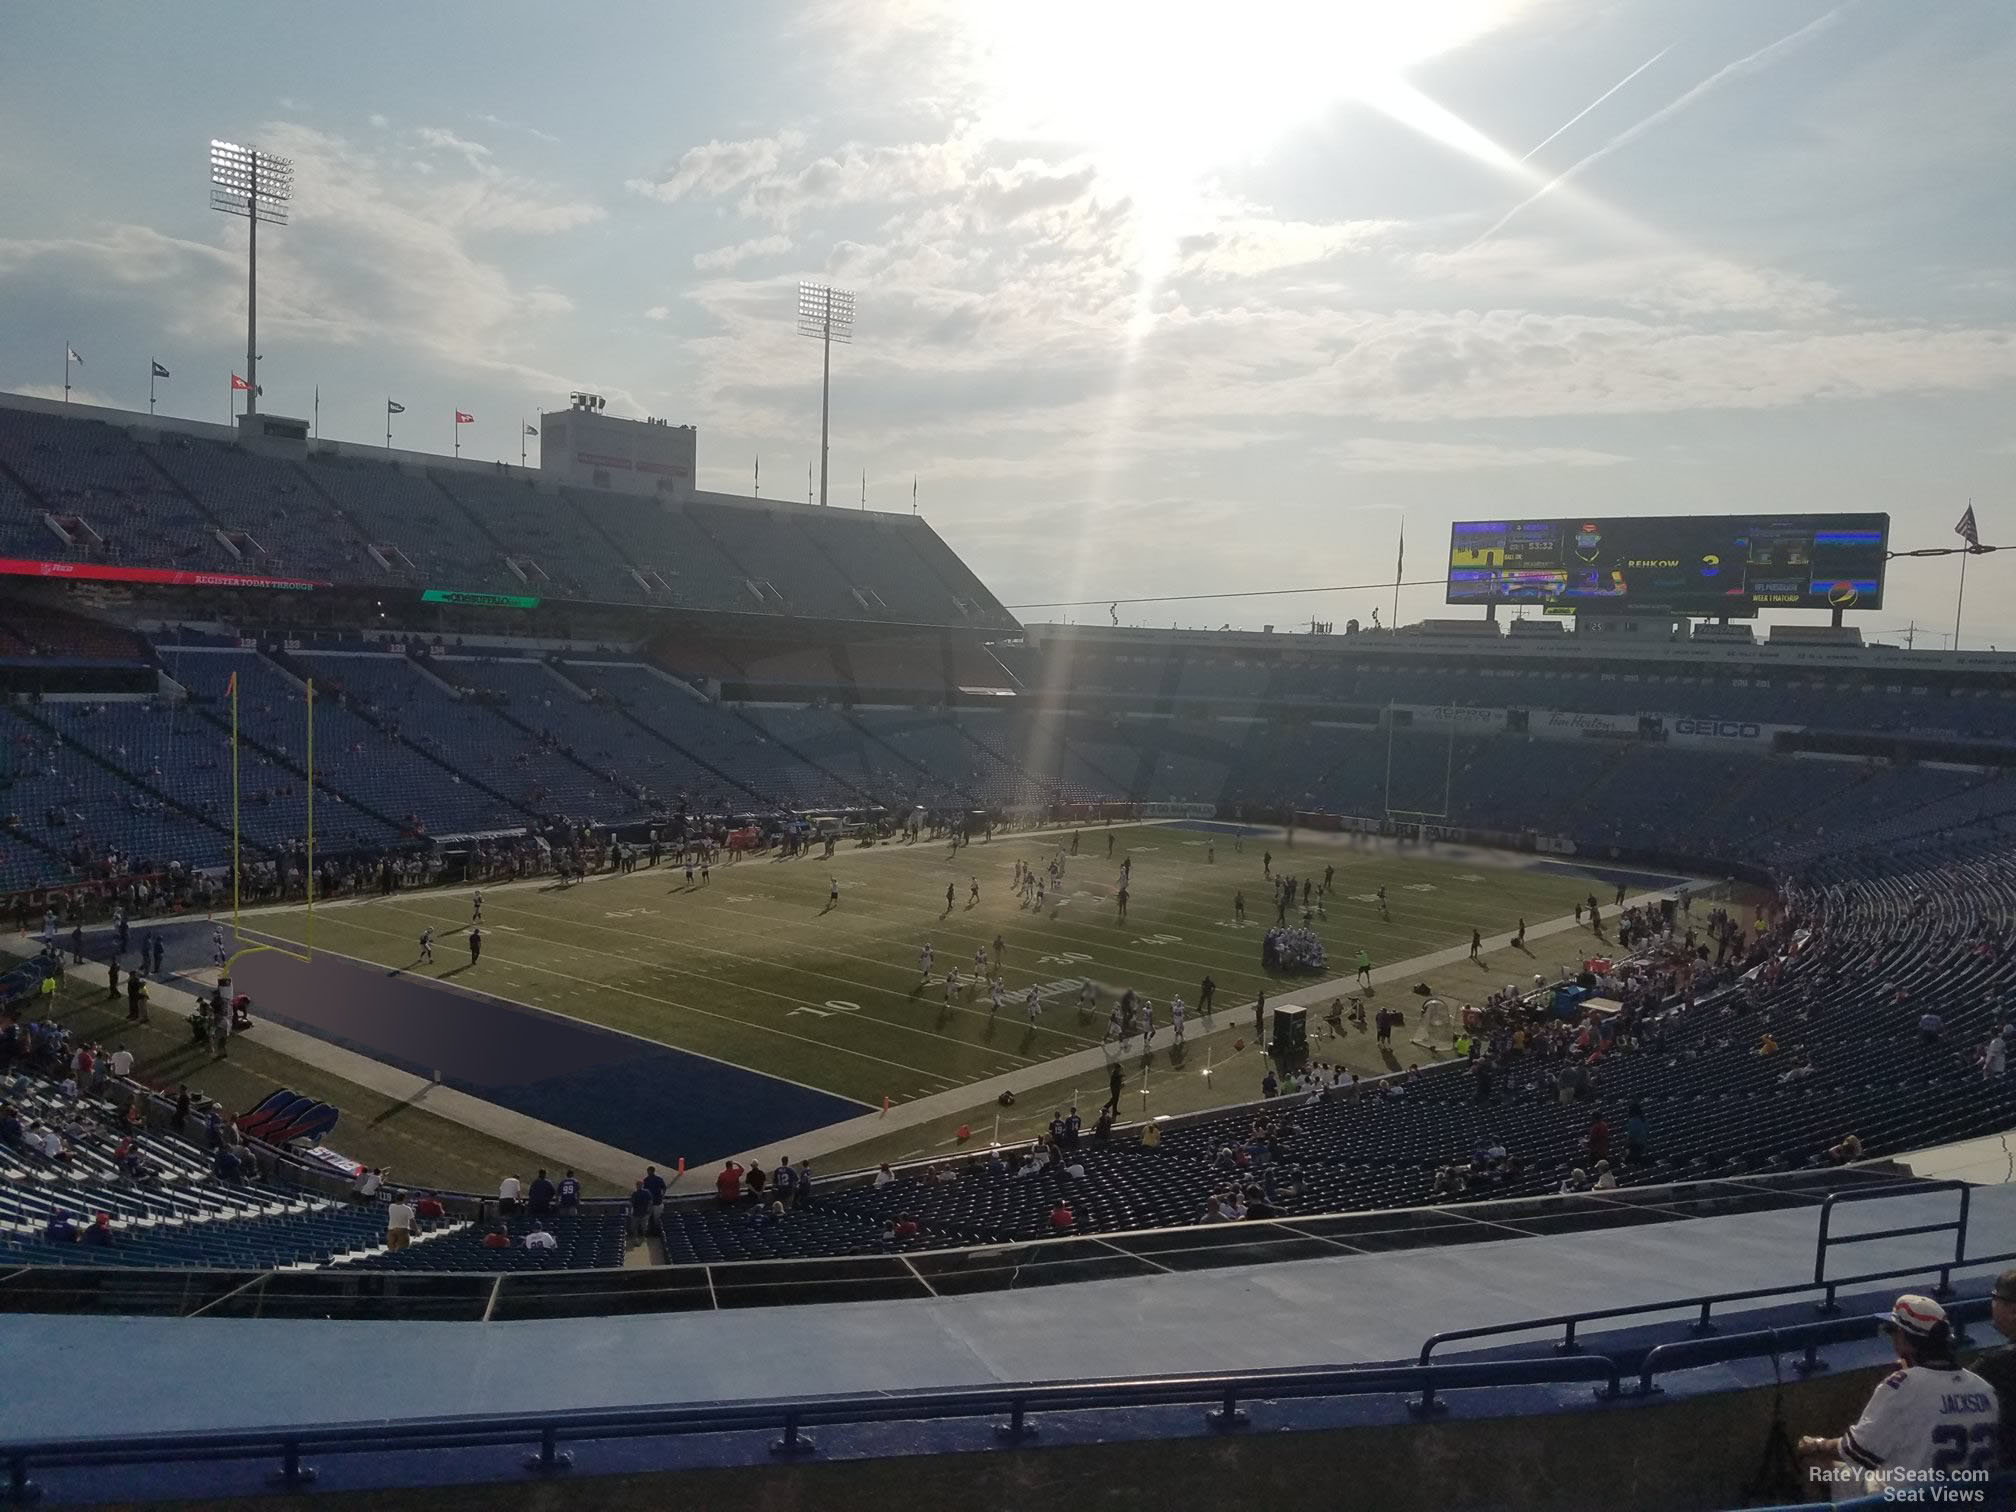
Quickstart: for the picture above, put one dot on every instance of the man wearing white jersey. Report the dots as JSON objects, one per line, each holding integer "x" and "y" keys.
{"x": 924, "y": 963}
{"x": 1176, "y": 1016}
{"x": 1032, "y": 1004}
{"x": 1928, "y": 1418}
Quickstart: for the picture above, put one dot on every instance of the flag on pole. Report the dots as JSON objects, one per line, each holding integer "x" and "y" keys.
{"x": 1967, "y": 530}
{"x": 238, "y": 383}
{"x": 393, "y": 407}
{"x": 531, "y": 430}
{"x": 72, "y": 353}
{"x": 231, "y": 686}
{"x": 160, "y": 371}
{"x": 463, "y": 417}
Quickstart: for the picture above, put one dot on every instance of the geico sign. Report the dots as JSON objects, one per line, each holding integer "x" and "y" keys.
{"x": 1721, "y": 729}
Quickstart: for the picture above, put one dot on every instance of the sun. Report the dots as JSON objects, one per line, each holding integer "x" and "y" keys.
{"x": 1170, "y": 89}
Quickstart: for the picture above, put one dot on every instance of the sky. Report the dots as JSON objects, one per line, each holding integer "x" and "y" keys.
{"x": 1171, "y": 298}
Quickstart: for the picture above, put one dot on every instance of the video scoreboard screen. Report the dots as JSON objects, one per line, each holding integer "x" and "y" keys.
{"x": 1699, "y": 564}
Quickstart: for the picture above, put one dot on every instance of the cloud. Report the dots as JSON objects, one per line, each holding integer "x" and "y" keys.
{"x": 658, "y": 312}
{"x": 717, "y": 167}
{"x": 1003, "y": 196}
{"x": 503, "y": 125}
{"x": 723, "y": 258}
{"x": 1249, "y": 245}
{"x": 378, "y": 121}
{"x": 374, "y": 258}
{"x": 448, "y": 141}
{"x": 862, "y": 175}
{"x": 1385, "y": 454}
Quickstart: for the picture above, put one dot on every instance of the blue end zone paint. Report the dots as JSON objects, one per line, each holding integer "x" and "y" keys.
{"x": 632, "y": 1093}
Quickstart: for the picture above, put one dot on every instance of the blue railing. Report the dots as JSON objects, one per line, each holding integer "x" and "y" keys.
{"x": 1958, "y": 1225}
{"x": 1012, "y": 1404}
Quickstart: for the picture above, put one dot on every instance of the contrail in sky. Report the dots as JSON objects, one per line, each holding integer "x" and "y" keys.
{"x": 1762, "y": 58}
{"x": 1601, "y": 98}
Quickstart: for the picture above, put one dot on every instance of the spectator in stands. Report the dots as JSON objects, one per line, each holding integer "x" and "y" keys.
{"x": 179, "y": 1121}
{"x": 754, "y": 1180}
{"x": 784, "y": 1183}
{"x": 508, "y": 1191}
{"x": 1849, "y": 1149}
{"x": 540, "y": 1199}
{"x": 1930, "y": 1027}
{"x": 398, "y": 1224}
{"x": 228, "y": 1166}
{"x": 1637, "y": 1132}
{"x": 429, "y": 1206}
{"x": 884, "y": 1176}
{"x": 1061, "y": 1219}
{"x": 59, "y": 1230}
{"x": 497, "y": 1238}
{"x": 1927, "y": 1415}
{"x": 906, "y": 1228}
{"x": 728, "y": 1185}
{"x": 570, "y": 1192}
{"x": 1998, "y": 1366}
{"x": 655, "y": 1185}
{"x": 1599, "y": 1141}
{"x": 640, "y": 1210}
{"x": 539, "y": 1239}
{"x": 100, "y": 1234}
{"x": 803, "y": 1185}
{"x": 1995, "y": 1057}
{"x": 1606, "y": 1180}
{"x": 364, "y": 1188}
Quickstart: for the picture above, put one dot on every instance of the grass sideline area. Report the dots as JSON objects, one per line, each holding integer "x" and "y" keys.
{"x": 418, "y": 1147}
{"x": 755, "y": 968}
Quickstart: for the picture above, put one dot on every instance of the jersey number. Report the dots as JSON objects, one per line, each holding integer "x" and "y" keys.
{"x": 1957, "y": 1447}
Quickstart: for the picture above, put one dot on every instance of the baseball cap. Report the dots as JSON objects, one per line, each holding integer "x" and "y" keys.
{"x": 1914, "y": 1315}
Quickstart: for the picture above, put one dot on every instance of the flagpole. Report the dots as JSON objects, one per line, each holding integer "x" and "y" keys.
{"x": 458, "y": 436}
{"x": 66, "y": 372}
{"x": 759, "y": 475}
{"x": 150, "y": 385}
{"x": 521, "y": 442}
{"x": 318, "y": 412}
{"x": 1399, "y": 572}
{"x": 1960, "y": 602}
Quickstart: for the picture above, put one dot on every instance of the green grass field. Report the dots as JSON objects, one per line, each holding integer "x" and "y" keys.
{"x": 755, "y": 970}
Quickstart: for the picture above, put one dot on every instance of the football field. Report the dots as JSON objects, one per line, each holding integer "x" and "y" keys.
{"x": 756, "y": 968}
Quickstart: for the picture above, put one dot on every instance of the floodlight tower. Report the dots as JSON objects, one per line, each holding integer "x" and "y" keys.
{"x": 257, "y": 186}
{"x": 827, "y": 313}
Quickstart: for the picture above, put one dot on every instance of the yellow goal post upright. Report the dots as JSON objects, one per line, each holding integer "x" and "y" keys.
{"x": 307, "y": 952}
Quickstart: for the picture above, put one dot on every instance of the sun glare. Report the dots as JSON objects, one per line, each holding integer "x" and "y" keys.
{"x": 1176, "y": 87}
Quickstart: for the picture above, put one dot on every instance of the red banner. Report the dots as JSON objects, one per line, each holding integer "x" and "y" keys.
{"x": 85, "y": 571}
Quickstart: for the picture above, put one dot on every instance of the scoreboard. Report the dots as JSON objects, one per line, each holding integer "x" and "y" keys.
{"x": 1696, "y": 564}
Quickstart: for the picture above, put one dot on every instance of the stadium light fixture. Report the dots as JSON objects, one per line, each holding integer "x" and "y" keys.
{"x": 256, "y": 186}
{"x": 826, "y": 313}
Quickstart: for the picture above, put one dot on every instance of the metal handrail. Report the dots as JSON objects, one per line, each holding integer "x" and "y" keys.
{"x": 1827, "y": 1240}
{"x": 1570, "y": 1322}
{"x": 792, "y": 1416}
{"x": 1685, "y": 1354}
